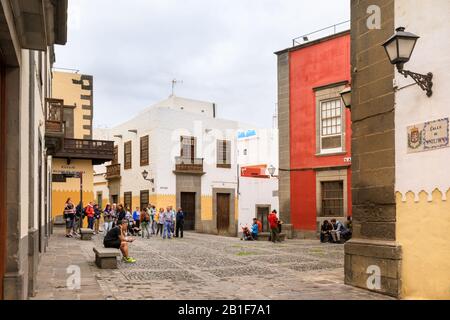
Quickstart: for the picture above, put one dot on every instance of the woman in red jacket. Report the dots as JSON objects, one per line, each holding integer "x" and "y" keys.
{"x": 273, "y": 224}
{"x": 89, "y": 211}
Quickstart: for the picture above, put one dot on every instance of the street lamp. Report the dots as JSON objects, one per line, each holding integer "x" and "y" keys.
{"x": 399, "y": 49}
{"x": 271, "y": 170}
{"x": 346, "y": 96}
{"x": 145, "y": 175}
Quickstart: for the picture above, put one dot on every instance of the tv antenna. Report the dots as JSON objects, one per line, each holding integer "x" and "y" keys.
{"x": 174, "y": 83}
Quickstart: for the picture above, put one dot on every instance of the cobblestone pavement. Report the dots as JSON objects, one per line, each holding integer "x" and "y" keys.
{"x": 199, "y": 267}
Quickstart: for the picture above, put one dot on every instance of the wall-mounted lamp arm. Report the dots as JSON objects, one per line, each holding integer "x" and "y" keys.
{"x": 425, "y": 81}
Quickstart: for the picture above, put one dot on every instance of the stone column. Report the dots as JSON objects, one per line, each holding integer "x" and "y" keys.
{"x": 15, "y": 281}
{"x": 284, "y": 193}
{"x": 373, "y": 250}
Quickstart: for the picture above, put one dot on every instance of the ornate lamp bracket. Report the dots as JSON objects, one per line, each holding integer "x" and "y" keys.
{"x": 425, "y": 81}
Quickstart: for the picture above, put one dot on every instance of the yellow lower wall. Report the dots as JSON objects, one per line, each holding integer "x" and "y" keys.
{"x": 71, "y": 188}
{"x": 423, "y": 231}
{"x": 165, "y": 200}
{"x": 207, "y": 208}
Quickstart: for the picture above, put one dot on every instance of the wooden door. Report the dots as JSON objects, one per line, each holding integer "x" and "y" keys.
{"x": 262, "y": 215}
{"x": 188, "y": 206}
{"x": 223, "y": 212}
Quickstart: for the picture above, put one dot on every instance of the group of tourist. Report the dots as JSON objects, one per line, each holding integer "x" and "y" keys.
{"x": 274, "y": 225}
{"x": 147, "y": 222}
{"x": 335, "y": 231}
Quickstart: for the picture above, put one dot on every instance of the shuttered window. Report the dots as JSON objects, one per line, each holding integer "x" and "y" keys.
{"x": 188, "y": 147}
{"x": 144, "y": 199}
{"x": 128, "y": 200}
{"x": 127, "y": 155}
{"x": 144, "y": 151}
{"x": 223, "y": 154}
{"x": 116, "y": 155}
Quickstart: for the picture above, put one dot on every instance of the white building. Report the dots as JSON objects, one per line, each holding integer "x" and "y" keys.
{"x": 258, "y": 191}
{"x": 190, "y": 159}
{"x": 422, "y": 153}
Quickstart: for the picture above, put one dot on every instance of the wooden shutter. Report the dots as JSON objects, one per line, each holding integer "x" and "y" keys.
{"x": 144, "y": 151}
{"x": 127, "y": 155}
{"x": 223, "y": 154}
{"x": 128, "y": 200}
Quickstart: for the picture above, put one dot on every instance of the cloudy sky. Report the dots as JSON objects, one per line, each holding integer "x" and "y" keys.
{"x": 222, "y": 50}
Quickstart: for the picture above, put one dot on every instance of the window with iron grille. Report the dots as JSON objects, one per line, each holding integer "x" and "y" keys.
{"x": 332, "y": 198}
{"x": 128, "y": 200}
{"x": 144, "y": 151}
{"x": 223, "y": 154}
{"x": 144, "y": 199}
{"x": 331, "y": 126}
{"x": 188, "y": 147}
{"x": 127, "y": 155}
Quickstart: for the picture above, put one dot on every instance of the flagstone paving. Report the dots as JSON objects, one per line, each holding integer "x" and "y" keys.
{"x": 199, "y": 267}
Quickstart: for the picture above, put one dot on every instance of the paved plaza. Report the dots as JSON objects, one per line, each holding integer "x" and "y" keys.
{"x": 199, "y": 267}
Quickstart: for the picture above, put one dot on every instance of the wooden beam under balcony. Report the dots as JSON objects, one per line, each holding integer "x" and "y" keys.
{"x": 98, "y": 151}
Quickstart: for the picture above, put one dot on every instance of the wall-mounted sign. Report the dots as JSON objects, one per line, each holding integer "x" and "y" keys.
{"x": 246, "y": 134}
{"x": 428, "y": 136}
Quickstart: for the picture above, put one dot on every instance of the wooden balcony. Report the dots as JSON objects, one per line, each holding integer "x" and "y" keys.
{"x": 98, "y": 151}
{"x": 54, "y": 117}
{"x": 54, "y": 124}
{"x": 188, "y": 166}
{"x": 113, "y": 171}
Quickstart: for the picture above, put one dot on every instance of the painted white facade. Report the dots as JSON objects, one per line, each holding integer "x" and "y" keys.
{"x": 256, "y": 148}
{"x": 423, "y": 171}
{"x": 165, "y": 123}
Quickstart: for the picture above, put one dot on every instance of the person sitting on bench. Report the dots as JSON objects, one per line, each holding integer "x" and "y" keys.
{"x": 255, "y": 228}
{"x": 325, "y": 231}
{"x": 115, "y": 238}
{"x": 339, "y": 230}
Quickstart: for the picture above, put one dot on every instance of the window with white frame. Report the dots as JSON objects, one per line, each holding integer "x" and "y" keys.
{"x": 331, "y": 128}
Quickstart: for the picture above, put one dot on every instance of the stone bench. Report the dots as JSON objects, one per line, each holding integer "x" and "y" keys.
{"x": 265, "y": 236}
{"x": 106, "y": 258}
{"x": 86, "y": 234}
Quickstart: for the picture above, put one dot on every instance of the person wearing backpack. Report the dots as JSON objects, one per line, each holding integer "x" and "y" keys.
{"x": 79, "y": 216}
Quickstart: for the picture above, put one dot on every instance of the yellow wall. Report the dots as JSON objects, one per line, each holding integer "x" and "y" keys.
{"x": 165, "y": 200}
{"x": 423, "y": 231}
{"x": 63, "y": 88}
{"x": 207, "y": 208}
{"x": 71, "y": 188}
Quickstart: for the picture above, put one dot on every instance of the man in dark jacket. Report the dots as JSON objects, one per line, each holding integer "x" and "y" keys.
{"x": 180, "y": 223}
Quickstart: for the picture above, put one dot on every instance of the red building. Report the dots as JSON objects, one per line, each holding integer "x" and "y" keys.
{"x": 315, "y": 134}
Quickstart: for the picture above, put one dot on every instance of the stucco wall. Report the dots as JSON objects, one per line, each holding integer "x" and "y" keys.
{"x": 164, "y": 125}
{"x": 71, "y": 188}
{"x": 423, "y": 217}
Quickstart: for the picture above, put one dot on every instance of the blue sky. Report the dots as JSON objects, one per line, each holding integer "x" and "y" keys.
{"x": 222, "y": 50}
